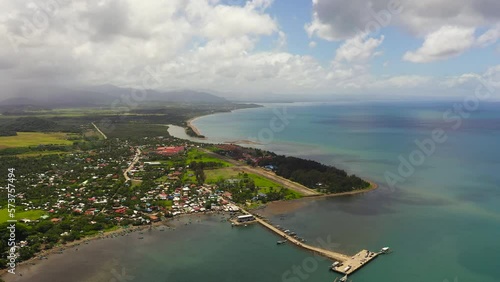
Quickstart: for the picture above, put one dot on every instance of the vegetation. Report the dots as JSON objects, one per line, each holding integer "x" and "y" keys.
{"x": 314, "y": 174}
{"x": 196, "y": 155}
{"x": 26, "y": 139}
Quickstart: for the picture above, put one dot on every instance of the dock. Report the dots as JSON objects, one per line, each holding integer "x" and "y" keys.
{"x": 355, "y": 262}
{"x": 235, "y": 222}
{"x": 326, "y": 253}
{"x": 346, "y": 264}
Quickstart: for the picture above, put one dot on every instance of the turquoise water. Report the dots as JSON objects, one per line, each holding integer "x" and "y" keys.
{"x": 443, "y": 221}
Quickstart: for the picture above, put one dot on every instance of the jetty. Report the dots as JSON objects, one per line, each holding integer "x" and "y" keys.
{"x": 343, "y": 264}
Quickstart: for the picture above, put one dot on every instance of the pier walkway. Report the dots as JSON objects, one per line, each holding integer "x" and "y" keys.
{"x": 347, "y": 264}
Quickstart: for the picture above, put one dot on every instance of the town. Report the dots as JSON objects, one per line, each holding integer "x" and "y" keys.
{"x": 102, "y": 184}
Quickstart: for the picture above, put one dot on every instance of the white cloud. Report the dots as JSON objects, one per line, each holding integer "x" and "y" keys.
{"x": 336, "y": 20}
{"x": 359, "y": 49}
{"x": 490, "y": 37}
{"x": 200, "y": 44}
{"x": 447, "y": 42}
{"x": 339, "y": 19}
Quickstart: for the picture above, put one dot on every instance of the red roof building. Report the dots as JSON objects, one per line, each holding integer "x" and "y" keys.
{"x": 169, "y": 151}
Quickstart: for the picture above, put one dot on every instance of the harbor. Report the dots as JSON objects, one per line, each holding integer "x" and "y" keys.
{"x": 342, "y": 263}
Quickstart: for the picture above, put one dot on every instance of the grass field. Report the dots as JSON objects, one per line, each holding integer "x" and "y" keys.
{"x": 195, "y": 155}
{"x": 26, "y": 139}
{"x": 213, "y": 175}
{"x": 34, "y": 214}
{"x": 264, "y": 184}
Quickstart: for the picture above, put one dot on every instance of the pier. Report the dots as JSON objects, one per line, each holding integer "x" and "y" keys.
{"x": 346, "y": 264}
{"x": 355, "y": 262}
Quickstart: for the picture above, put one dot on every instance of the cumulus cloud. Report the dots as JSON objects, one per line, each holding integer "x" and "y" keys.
{"x": 359, "y": 49}
{"x": 447, "y": 42}
{"x": 200, "y": 44}
{"x": 336, "y": 20}
{"x": 490, "y": 37}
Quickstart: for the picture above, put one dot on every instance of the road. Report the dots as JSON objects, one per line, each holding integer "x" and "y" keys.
{"x": 134, "y": 161}
{"x": 305, "y": 191}
{"x": 97, "y": 128}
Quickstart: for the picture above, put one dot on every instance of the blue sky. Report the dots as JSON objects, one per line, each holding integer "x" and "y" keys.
{"x": 241, "y": 48}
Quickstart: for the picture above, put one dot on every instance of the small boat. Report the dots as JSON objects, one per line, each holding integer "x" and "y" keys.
{"x": 335, "y": 264}
{"x": 385, "y": 250}
{"x": 281, "y": 242}
{"x": 343, "y": 279}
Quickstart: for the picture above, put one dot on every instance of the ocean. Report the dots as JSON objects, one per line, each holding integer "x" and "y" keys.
{"x": 441, "y": 218}
{"x": 437, "y": 206}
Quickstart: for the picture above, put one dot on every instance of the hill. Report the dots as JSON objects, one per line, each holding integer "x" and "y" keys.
{"x": 100, "y": 96}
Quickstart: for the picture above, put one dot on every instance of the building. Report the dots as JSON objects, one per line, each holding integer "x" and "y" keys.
{"x": 246, "y": 218}
{"x": 169, "y": 151}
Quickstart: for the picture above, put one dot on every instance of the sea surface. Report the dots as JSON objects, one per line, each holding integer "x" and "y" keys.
{"x": 442, "y": 221}
{"x": 441, "y": 218}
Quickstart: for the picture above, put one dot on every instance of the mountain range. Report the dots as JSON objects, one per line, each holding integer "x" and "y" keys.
{"x": 104, "y": 95}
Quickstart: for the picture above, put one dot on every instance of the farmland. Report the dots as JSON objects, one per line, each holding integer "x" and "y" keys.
{"x": 26, "y": 139}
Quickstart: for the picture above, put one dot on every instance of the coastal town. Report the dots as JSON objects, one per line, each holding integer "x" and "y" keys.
{"x": 103, "y": 184}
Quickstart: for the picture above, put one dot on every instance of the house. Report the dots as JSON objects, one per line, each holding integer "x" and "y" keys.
{"x": 154, "y": 218}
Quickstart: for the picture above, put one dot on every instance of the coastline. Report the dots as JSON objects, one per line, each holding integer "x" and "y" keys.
{"x": 286, "y": 206}
{"x": 190, "y": 124}
{"x": 60, "y": 247}
{"x": 370, "y": 188}
{"x": 35, "y": 262}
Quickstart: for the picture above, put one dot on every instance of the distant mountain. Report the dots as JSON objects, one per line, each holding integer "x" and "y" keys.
{"x": 174, "y": 96}
{"x": 102, "y": 96}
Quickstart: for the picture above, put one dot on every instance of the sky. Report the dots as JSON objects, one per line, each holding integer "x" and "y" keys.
{"x": 254, "y": 48}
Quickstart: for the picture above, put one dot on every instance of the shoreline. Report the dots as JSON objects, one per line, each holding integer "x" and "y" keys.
{"x": 122, "y": 231}
{"x": 373, "y": 186}
{"x": 195, "y": 129}
{"x": 60, "y": 247}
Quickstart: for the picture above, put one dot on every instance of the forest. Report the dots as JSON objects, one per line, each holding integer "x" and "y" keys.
{"x": 313, "y": 174}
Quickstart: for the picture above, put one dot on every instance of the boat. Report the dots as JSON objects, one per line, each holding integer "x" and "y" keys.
{"x": 343, "y": 279}
{"x": 385, "y": 250}
{"x": 335, "y": 264}
{"x": 281, "y": 242}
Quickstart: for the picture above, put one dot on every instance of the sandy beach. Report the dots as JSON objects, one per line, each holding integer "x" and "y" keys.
{"x": 194, "y": 128}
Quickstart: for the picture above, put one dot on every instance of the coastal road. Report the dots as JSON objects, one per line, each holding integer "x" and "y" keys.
{"x": 305, "y": 191}
{"x": 98, "y": 130}
{"x": 134, "y": 161}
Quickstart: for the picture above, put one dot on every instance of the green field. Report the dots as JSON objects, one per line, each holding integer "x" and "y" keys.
{"x": 196, "y": 155}
{"x": 264, "y": 184}
{"x": 213, "y": 175}
{"x": 34, "y": 214}
{"x": 26, "y": 139}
